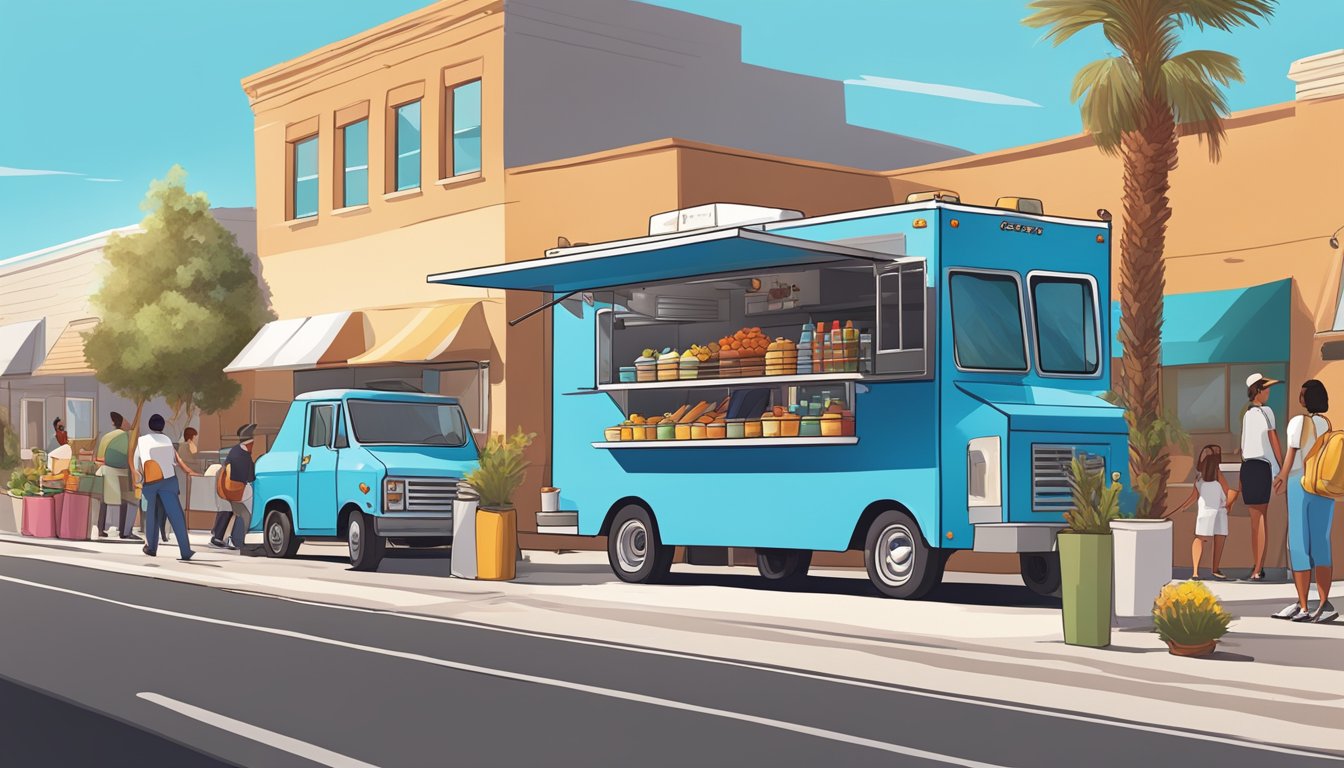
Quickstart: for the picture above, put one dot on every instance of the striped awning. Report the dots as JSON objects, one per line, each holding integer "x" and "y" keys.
{"x": 66, "y": 357}
{"x": 426, "y": 334}
{"x": 303, "y": 342}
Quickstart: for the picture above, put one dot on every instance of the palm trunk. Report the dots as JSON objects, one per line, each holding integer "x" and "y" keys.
{"x": 1149, "y": 157}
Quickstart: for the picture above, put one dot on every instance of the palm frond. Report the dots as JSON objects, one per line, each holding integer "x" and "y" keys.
{"x": 1110, "y": 93}
{"x": 1222, "y": 15}
{"x": 1193, "y": 82}
{"x": 1066, "y": 18}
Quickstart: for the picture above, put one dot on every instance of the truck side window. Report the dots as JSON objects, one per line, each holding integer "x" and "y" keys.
{"x": 320, "y": 418}
{"x": 902, "y": 328}
{"x": 342, "y": 439}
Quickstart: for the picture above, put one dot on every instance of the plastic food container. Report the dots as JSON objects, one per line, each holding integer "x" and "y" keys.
{"x": 689, "y": 367}
{"x": 810, "y": 427}
{"x": 667, "y": 431}
{"x": 751, "y": 428}
{"x": 699, "y": 431}
{"x": 669, "y": 366}
{"x": 628, "y": 431}
{"x": 830, "y": 425}
{"x": 847, "y": 424}
{"x": 716, "y": 431}
{"x": 627, "y": 374}
{"x": 737, "y": 428}
{"x": 646, "y": 369}
{"x": 683, "y": 431}
{"x": 769, "y": 426}
{"x": 641, "y": 431}
{"x": 789, "y": 425}
{"x": 613, "y": 434}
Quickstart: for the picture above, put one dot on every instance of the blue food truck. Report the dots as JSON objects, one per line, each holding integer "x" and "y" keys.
{"x": 911, "y": 380}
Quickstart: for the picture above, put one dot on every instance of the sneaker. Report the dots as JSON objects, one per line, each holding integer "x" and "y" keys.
{"x": 1219, "y": 575}
{"x": 102, "y": 534}
{"x": 188, "y": 557}
{"x": 147, "y": 551}
{"x": 130, "y": 537}
{"x": 217, "y": 543}
{"x": 231, "y": 545}
{"x": 1289, "y": 612}
{"x": 1256, "y": 576}
{"x": 1326, "y": 613}
{"x": 1303, "y": 616}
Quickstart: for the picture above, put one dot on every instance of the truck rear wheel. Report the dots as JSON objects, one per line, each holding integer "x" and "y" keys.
{"x": 1040, "y": 572}
{"x": 783, "y": 566}
{"x": 634, "y": 550}
{"x": 899, "y": 562}
{"x": 279, "y": 533}
{"x": 366, "y": 546}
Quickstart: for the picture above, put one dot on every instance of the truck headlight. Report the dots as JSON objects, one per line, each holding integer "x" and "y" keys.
{"x": 984, "y": 480}
{"x": 394, "y": 495}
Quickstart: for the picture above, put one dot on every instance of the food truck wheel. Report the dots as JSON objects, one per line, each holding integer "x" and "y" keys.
{"x": 899, "y": 562}
{"x": 783, "y": 566}
{"x": 366, "y": 546}
{"x": 1040, "y": 572}
{"x": 280, "y": 538}
{"x": 633, "y": 549}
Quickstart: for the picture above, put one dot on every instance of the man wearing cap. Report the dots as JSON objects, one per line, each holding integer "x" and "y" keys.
{"x": 241, "y": 469}
{"x": 1260, "y": 460}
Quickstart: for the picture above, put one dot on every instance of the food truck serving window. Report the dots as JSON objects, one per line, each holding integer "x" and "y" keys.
{"x": 1064, "y": 310}
{"x": 987, "y": 333}
{"x": 902, "y": 320}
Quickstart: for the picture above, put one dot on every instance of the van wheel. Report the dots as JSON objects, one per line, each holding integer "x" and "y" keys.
{"x": 366, "y": 547}
{"x": 783, "y": 566}
{"x": 280, "y": 538}
{"x": 899, "y": 562}
{"x": 634, "y": 551}
{"x": 1040, "y": 572}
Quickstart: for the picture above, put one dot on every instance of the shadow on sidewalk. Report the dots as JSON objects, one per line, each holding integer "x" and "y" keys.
{"x": 1001, "y": 595}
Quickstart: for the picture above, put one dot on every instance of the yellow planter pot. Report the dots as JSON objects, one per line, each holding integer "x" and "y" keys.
{"x": 496, "y": 544}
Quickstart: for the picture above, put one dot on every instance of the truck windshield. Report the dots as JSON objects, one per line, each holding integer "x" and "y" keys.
{"x": 388, "y": 422}
{"x": 987, "y": 321}
{"x": 1066, "y": 325}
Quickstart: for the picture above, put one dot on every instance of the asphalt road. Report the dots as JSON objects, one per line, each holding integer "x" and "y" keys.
{"x": 156, "y": 673}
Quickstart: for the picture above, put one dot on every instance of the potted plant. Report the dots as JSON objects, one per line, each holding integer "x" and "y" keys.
{"x": 1085, "y": 556}
{"x": 496, "y": 478}
{"x": 1189, "y": 618}
{"x": 11, "y": 516}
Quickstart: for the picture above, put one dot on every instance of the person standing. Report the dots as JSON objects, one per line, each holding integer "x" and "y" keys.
{"x": 156, "y": 465}
{"x": 1309, "y": 515}
{"x": 62, "y": 437}
{"x": 112, "y": 457}
{"x": 238, "y": 470}
{"x": 1214, "y": 497}
{"x": 1261, "y": 457}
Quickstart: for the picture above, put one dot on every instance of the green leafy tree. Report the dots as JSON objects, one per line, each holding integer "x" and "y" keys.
{"x": 178, "y": 302}
{"x": 1131, "y": 105}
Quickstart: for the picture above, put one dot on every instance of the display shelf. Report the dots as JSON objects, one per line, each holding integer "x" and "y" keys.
{"x": 741, "y": 381}
{"x": 732, "y": 442}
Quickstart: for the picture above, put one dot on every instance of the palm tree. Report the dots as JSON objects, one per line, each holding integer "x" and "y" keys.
{"x": 1132, "y": 105}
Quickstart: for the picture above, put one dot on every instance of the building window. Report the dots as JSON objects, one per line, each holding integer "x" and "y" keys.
{"x": 79, "y": 418}
{"x": 464, "y": 103}
{"x": 1211, "y": 399}
{"x": 407, "y": 129}
{"x": 32, "y": 426}
{"x": 304, "y": 184}
{"x": 355, "y": 163}
{"x": 470, "y": 384}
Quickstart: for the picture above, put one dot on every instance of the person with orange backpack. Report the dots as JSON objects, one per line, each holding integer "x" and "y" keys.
{"x": 1313, "y": 473}
{"x": 231, "y": 486}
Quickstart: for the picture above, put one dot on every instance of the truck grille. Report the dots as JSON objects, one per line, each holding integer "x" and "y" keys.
{"x": 430, "y": 494}
{"x": 1050, "y": 491}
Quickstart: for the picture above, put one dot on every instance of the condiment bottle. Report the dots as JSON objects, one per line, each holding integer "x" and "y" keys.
{"x": 818, "y": 349}
{"x": 851, "y": 335}
{"x": 837, "y": 356}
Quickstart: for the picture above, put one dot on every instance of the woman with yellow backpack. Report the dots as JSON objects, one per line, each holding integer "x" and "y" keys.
{"x": 1312, "y": 471}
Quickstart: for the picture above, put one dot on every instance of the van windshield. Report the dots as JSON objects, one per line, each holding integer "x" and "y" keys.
{"x": 987, "y": 321}
{"x": 1066, "y": 325}
{"x": 388, "y": 422}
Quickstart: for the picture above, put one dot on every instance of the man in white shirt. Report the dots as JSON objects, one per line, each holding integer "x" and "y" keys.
{"x": 156, "y": 461}
{"x": 1260, "y": 460}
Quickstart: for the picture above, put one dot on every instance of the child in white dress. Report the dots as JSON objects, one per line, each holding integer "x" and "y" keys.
{"x": 1214, "y": 497}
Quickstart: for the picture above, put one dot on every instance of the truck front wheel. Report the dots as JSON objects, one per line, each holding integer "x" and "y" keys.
{"x": 633, "y": 549}
{"x": 280, "y": 538}
{"x": 899, "y": 562}
{"x": 366, "y": 546}
{"x": 1040, "y": 572}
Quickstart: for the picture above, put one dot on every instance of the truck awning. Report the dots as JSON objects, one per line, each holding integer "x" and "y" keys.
{"x": 656, "y": 259}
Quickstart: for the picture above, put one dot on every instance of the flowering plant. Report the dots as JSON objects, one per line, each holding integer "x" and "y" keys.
{"x": 1189, "y": 614}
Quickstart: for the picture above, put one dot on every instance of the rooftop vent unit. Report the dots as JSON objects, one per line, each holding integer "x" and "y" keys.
{"x": 1021, "y": 205}
{"x": 939, "y": 195}
{"x": 716, "y": 215}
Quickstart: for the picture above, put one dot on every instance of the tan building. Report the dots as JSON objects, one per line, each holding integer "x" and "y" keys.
{"x": 463, "y": 135}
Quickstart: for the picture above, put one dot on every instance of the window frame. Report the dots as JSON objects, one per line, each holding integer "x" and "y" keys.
{"x": 343, "y": 168}
{"x": 1035, "y": 330}
{"x": 25, "y": 444}
{"x": 449, "y": 171}
{"x": 897, "y": 361}
{"x": 331, "y": 425}
{"x": 394, "y": 148}
{"x": 93, "y": 417}
{"x": 294, "y": 179}
{"x": 482, "y": 369}
{"x": 1022, "y": 316}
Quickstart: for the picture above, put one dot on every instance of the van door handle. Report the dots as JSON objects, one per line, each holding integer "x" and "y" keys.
{"x": 304, "y": 464}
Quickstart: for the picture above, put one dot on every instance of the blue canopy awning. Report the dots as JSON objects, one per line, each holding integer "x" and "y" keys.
{"x": 655, "y": 259}
{"x": 1241, "y": 325}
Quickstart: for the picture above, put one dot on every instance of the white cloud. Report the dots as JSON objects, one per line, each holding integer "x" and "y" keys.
{"x": 943, "y": 91}
{"x": 7, "y": 171}
{"x": 109, "y": 181}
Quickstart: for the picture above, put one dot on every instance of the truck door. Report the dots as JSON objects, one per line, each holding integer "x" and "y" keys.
{"x": 317, "y": 471}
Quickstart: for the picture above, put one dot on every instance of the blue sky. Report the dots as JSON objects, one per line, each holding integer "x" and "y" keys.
{"x": 113, "y": 93}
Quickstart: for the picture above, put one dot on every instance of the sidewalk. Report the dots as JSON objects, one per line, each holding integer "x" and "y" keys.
{"x": 982, "y": 636}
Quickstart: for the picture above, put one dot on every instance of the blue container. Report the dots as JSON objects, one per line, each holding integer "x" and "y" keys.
{"x": 627, "y": 374}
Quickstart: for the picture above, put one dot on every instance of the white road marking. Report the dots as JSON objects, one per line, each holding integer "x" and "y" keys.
{"x": 611, "y": 693}
{"x": 1216, "y": 738}
{"x": 303, "y": 749}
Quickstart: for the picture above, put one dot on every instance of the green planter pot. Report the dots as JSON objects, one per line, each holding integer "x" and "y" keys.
{"x": 1086, "y": 564}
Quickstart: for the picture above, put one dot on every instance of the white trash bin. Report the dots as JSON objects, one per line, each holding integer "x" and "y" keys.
{"x": 463, "y": 564}
{"x": 550, "y": 499}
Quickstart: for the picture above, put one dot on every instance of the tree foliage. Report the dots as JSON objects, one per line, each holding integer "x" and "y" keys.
{"x": 177, "y": 303}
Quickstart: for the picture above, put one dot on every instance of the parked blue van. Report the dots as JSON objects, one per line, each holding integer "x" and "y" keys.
{"x": 965, "y": 352}
{"x": 364, "y": 466}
